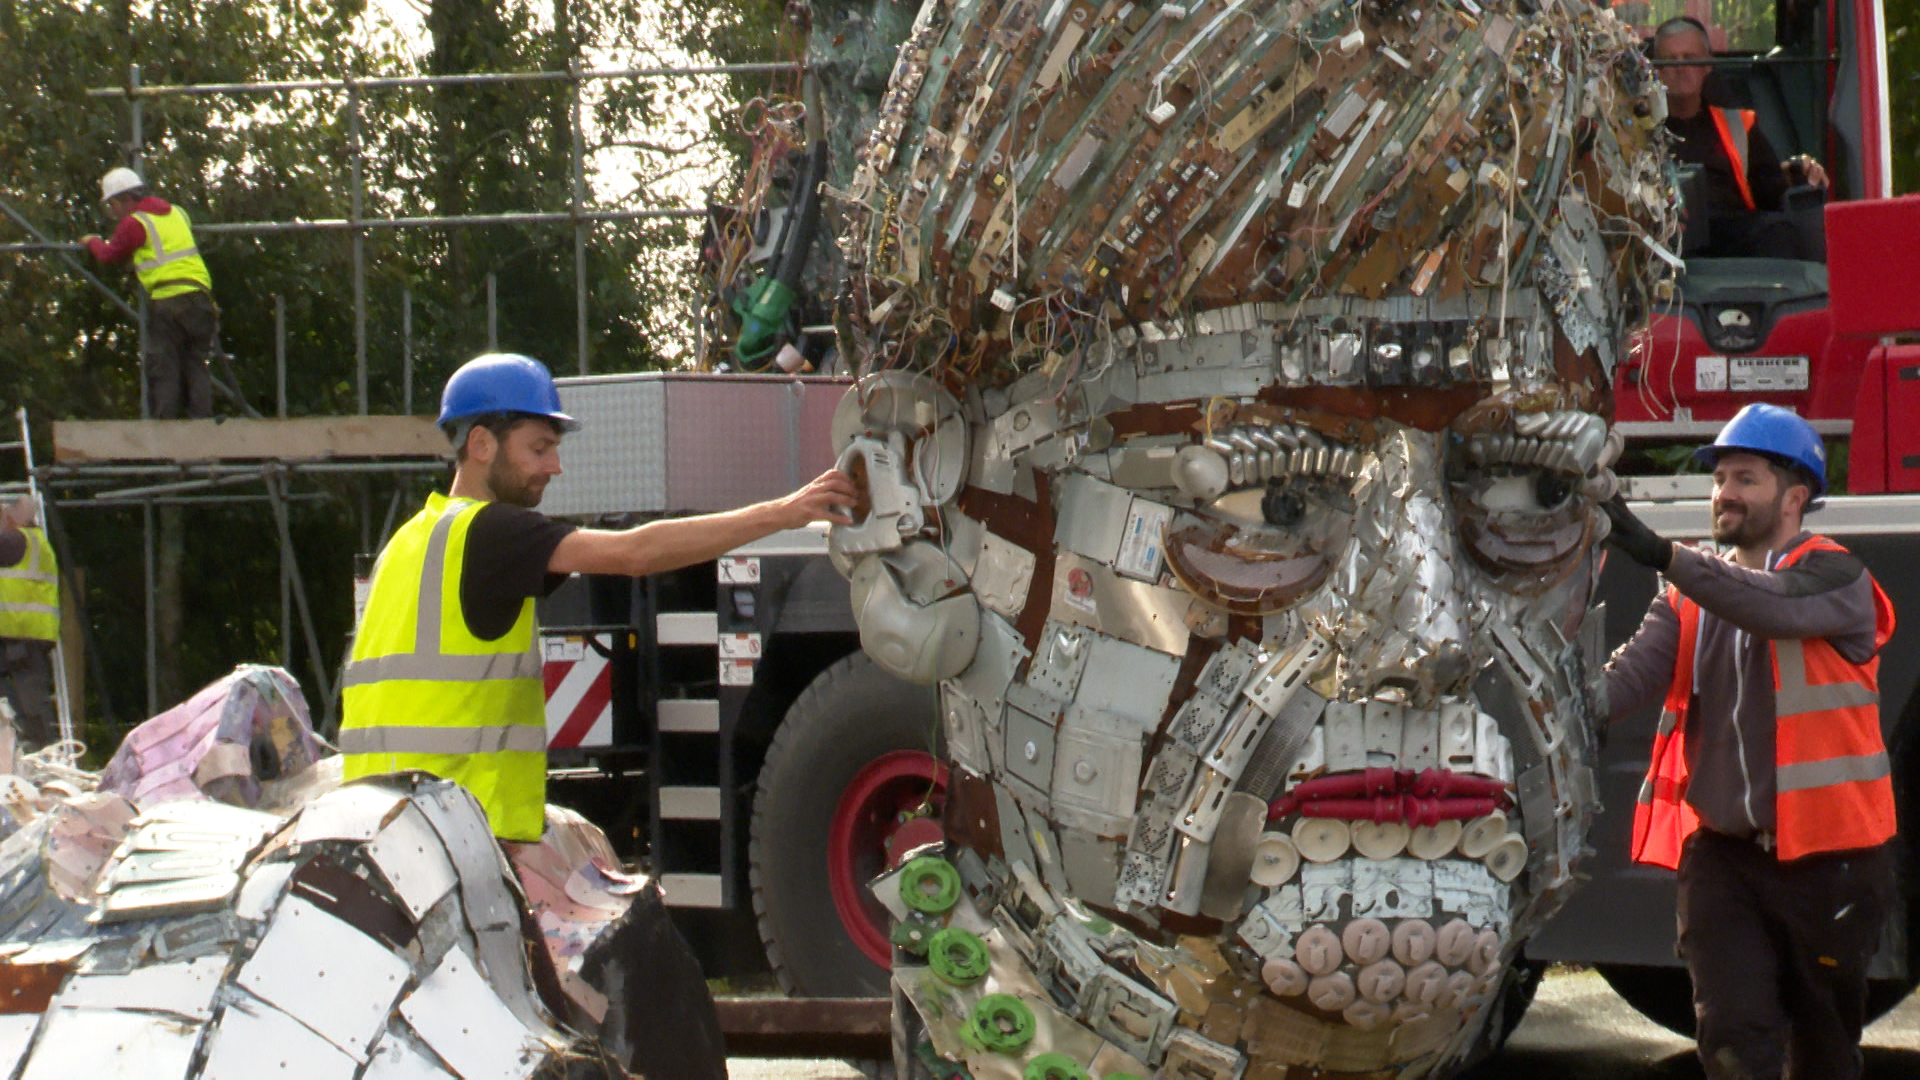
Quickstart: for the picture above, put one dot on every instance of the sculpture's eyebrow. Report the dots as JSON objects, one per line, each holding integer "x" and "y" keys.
{"x": 1258, "y": 452}
{"x": 1569, "y": 442}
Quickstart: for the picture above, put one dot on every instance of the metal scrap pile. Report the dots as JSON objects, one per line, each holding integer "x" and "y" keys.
{"x": 214, "y": 904}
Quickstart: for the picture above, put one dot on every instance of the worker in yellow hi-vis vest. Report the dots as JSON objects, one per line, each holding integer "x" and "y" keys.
{"x": 29, "y": 623}
{"x": 182, "y": 320}
{"x": 445, "y": 671}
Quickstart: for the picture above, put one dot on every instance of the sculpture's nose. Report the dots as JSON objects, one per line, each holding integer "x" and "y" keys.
{"x": 1405, "y": 623}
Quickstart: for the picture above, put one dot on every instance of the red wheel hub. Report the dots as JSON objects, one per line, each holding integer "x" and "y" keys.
{"x": 892, "y": 806}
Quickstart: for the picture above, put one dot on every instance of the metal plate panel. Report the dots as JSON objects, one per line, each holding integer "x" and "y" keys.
{"x": 1095, "y": 778}
{"x": 1090, "y": 594}
{"x": 159, "y": 898}
{"x": 457, "y": 1014}
{"x": 1093, "y": 517}
{"x": 394, "y": 1058}
{"x": 354, "y": 812}
{"x": 254, "y": 1039}
{"x": 104, "y": 1044}
{"x": 408, "y": 853}
{"x": 617, "y": 461}
{"x": 966, "y": 729}
{"x": 185, "y": 990}
{"x": 1128, "y": 680}
{"x": 1029, "y": 748}
{"x": 16, "y": 1031}
{"x": 326, "y": 974}
{"x": 262, "y": 891}
{"x": 1062, "y": 657}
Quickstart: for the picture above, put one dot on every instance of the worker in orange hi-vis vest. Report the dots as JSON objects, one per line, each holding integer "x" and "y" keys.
{"x": 1769, "y": 788}
{"x": 1745, "y": 179}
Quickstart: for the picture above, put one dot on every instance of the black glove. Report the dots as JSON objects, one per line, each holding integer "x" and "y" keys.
{"x": 1631, "y": 535}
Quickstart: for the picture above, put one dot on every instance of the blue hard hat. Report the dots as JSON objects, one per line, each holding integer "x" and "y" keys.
{"x": 503, "y": 383}
{"x": 1771, "y": 432}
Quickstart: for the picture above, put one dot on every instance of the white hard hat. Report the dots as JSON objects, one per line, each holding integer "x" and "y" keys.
{"x": 119, "y": 182}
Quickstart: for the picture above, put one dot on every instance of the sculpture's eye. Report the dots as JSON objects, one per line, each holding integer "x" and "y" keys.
{"x": 1526, "y": 525}
{"x": 1259, "y": 550}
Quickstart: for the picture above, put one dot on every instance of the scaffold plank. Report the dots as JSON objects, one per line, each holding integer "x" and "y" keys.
{"x": 302, "y": 439}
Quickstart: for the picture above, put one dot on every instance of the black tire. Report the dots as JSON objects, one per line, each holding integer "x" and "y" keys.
{"x": 851, "y": 714}
{"x": 1516, "y": 996}
{"x": 1664, "y": 995}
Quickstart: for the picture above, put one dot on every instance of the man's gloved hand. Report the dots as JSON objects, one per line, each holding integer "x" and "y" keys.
{"x": 1631, "y": 535}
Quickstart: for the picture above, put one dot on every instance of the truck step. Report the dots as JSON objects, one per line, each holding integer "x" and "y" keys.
{"x": 690, "y": 716}
{"x": 687, "y": 628}
{"x": 691, "y": 890}
{"x": 690, "y": 803}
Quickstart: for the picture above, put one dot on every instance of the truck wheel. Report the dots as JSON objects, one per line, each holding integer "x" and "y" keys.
{"x": 849, "y": 786}
{"x": 1664, "y": 995}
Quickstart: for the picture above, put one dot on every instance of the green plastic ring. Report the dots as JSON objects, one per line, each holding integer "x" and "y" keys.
{"x": 1054, "y": 1067}
{"x": 958, "y": 956}
{"x": 930, "y": 885}
{"x": 1001, "y": 1023}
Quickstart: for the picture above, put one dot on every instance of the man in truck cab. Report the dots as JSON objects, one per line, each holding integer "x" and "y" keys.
{"x": 1769, "y": 787}
{"x": 1745, "y": 179}
{"x": 445, "y": 674}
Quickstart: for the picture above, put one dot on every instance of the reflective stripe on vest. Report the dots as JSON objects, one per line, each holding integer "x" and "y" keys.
{"x": 1832, "y": 776}
{"x": 30, "y": 592}
{"x": 421, "y": 692}
{"x": 169, "y": 262}
{"x": 1734, "y": 126}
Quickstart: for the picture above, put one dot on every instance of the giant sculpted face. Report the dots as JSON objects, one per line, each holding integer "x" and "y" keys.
{"x": 1233, "y": 426}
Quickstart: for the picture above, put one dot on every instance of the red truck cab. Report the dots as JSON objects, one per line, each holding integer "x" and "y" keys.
{"x": 1806, "y": 334}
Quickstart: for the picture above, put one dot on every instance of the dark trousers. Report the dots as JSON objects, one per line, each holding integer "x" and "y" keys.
{"x": 1778, "y": 953}
{"x": 26, "y": 681}
{"x": 180, "y": 333}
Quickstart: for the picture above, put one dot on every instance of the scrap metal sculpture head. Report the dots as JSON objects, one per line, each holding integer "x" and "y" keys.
{"x": 1233, "y": 424}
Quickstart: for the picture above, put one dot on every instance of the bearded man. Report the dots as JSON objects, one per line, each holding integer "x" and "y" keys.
{"x": 1769, "y": 788}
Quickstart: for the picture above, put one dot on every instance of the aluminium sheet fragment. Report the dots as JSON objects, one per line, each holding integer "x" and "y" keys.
{"x": 460, "y": 1017}
{"x": 326, "y": 974}
{"x": 255, "y": 1040}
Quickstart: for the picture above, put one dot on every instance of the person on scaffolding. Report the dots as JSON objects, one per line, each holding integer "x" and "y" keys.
{"x": 182, "y": 320}
{"x": 29, "y": 623}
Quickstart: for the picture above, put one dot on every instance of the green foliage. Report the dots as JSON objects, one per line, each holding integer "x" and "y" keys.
{"x": 284, "y": 156}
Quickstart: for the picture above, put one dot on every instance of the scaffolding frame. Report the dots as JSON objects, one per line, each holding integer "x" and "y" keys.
{"x": 203, "y": 483}
{"x": 579, "y": 215}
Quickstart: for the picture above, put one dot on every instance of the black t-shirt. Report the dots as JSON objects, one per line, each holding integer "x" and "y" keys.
{"x": 508, "y": 548}
{"x": 13, "y": 547}
{"x": 1697, "y": 142}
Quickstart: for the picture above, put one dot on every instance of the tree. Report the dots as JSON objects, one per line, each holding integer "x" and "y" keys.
{"x": 468, "y": 150}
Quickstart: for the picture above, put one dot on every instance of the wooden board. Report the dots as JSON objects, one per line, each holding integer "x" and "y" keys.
{"x": 304, "y": 439}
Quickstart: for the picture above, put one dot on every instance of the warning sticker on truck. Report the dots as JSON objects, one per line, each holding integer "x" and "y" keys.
{"x": 1766, "y": 374}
